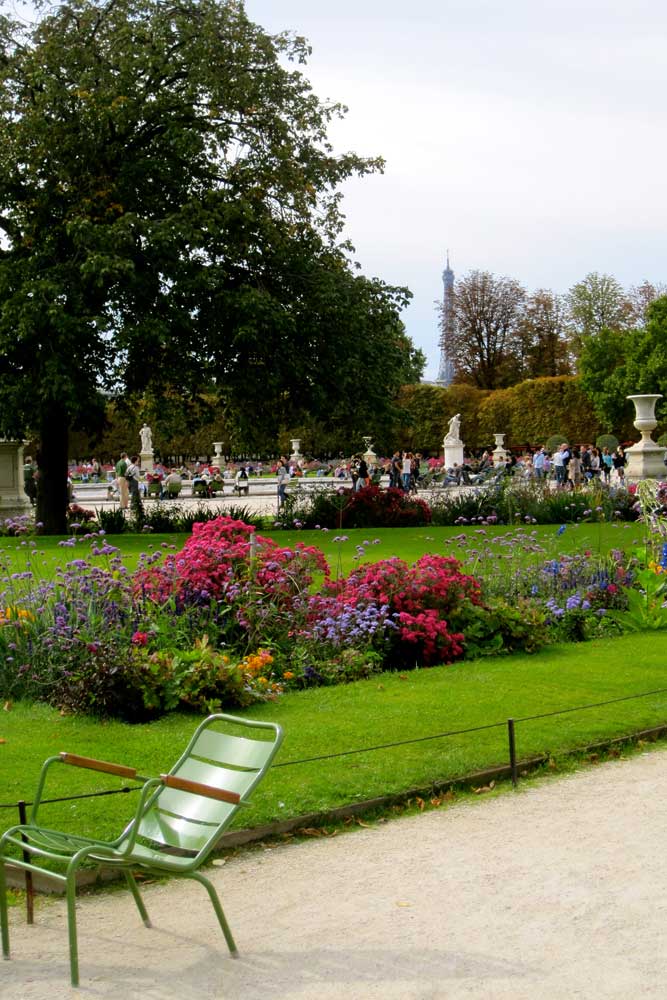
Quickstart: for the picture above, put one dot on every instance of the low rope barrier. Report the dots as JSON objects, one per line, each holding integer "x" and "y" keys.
{"x": 513, "y": 762}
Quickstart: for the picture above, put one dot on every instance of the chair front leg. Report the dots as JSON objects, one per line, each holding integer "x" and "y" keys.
{"x": 71, "y": 927}
{"x": 4, "y": 915}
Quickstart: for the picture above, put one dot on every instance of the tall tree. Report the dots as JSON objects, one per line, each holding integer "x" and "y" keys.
{"x": 616, "y": 364}
{"x": 542, "y": 335}
{"x": 166, "y": 187}
{"x": 487, "y": 313}
{"x": 640, "y": 298}
{"x": 597, "y": 303}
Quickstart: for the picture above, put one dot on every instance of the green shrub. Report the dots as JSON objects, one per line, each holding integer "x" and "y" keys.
{"x": 554, "y": 442}
{"x": 343, "y": 507}
{"x": 112, "y": 522}
{"x": 607, "y": 441}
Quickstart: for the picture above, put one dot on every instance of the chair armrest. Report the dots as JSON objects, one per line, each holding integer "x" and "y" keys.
{"x": 185, "y": 785}
{"x": 121, "y": 770}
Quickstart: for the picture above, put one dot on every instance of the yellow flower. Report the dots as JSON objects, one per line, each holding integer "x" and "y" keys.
{"x": 288, "y": 675}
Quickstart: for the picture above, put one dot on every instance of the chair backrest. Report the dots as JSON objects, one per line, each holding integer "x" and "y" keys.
{"x": 225, "y": 752}
{"x": 173, "y": 489}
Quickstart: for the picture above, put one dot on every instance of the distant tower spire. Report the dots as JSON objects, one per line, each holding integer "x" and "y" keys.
{"x": 446, "y": 367}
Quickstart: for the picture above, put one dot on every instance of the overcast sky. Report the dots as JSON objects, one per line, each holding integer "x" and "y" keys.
{"x": 527, "y": 136}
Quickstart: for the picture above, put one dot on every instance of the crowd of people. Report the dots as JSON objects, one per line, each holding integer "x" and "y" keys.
{"x": 567, "y": 466}
{"x": 570, "y": 467}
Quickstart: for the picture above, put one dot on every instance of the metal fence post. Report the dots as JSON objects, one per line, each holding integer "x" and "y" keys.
{"x": 512, "y": 744}
{"x": 29, "y": 889}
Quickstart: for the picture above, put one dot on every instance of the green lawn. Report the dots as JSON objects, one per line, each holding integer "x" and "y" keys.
{"x": 388, "y": 708}
{"x": 406, "y": 543}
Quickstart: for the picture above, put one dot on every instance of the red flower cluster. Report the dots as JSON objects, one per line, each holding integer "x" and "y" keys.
{"x": 425, "y": 599}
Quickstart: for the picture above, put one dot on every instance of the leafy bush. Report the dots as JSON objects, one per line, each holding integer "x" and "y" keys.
{"x": 606, "y": 441}
{"x": 340, "y": 508}
{"x": 112, "y": 522}
{"x": 512, "y": 501}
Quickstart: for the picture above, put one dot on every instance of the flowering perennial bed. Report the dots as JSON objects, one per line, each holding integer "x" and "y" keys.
{"x": 233, "y": 616}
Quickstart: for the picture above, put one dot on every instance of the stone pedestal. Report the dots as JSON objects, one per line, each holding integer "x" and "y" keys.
{"x": 12, "y": 495}
{"x": 453, "y": 452}
{"x": 147, "y": 461}
{"x": 645, "y": 460}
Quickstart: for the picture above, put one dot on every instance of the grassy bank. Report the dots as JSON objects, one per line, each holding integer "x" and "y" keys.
{"x": 387, "y": 709}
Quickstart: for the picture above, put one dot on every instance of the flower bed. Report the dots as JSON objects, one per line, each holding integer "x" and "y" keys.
{"x": 234, "y": 616}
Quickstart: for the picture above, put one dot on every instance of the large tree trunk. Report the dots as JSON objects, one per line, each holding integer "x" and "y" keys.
{"x": 52, "y": 495}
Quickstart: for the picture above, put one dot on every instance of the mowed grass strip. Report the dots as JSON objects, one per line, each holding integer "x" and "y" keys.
{"x": 343, "y": 556}
{"x": 386, "y": 709}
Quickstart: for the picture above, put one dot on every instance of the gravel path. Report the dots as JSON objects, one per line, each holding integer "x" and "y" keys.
{"x": 556, "y": 891}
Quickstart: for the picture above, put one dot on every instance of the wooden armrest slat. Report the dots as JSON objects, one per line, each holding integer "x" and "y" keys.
{"x": 185, "y": 785}
{"x": 98, "y": 765}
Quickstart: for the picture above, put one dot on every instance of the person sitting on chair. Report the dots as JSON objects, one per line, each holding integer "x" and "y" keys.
{"x": 241, "y": 484}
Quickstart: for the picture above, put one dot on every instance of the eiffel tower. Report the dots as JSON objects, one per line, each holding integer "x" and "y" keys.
{"x": 446, "y": 368}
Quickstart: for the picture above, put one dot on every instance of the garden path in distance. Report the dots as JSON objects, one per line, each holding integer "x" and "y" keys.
{"x": 555, "y": 891}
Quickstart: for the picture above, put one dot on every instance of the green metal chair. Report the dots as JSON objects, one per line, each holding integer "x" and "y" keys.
{"x": 185, "y": 810}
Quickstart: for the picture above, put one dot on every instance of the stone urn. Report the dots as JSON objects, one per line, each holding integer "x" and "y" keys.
{"x": 218, "y": 457}
{"x": 296, "y": 446}
{"x": 499, "y": 453}
{"x": 645, "y": 460}
{"x": 369, "y": 454}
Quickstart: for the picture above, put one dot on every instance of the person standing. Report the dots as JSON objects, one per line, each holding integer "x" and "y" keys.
{"x": 362, "y": 474}
{"x": 283, "y": 476}
{"x": 538, "y": 463}
{"x": 619, "y": 462}
{"x": 121, "y": 480}
{"x": 574, "y": 469}
{"x": 132, "y": 474}
{"x": 407, "y": 470}
{"x": 29, "y": 481}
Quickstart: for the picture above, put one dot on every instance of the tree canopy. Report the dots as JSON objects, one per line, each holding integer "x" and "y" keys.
{"x": 171, "y": 220}
{"x": 617, "y": 364}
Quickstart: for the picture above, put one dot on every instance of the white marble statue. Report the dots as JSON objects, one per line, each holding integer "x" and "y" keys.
{"x": 454, "y": 429}
{"x": 146, "y": 440}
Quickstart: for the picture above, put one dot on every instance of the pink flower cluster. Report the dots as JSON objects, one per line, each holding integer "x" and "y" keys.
{"x": 423, "y": 598}
{"x": 220, "y": 562}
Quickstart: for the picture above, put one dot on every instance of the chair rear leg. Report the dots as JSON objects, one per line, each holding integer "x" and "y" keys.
{"x": 222, "y": 919}
{"x": 4, "y": 916}
{"x": 132, "y": 885}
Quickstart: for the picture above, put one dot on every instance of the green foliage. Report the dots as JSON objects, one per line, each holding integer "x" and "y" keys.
{"x": 112, "y": 521}
{"x": 341, "y": 507}
{"x": 513, "y": 501}
{"x": 607, "y": 441}
{"x": 500, "y": 627}
{"x": 531, "y": 411}
{"x": 168, "y": 192}
{"x": 427, "y": 410}
{"x": 617, "y": 364}
{"x": 646, "y": 604}
{"x": 554, "y": 442}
